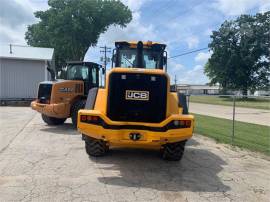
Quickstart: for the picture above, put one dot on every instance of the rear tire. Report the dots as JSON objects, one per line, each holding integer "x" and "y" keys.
{"x": 52, "y": 120}
{"x": 94, "y": 147}
{"x": 74, "y": 111}
{"x": 173, "y": 151}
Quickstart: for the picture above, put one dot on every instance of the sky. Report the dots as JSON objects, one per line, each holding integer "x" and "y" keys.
{"x": 183, "y": 25}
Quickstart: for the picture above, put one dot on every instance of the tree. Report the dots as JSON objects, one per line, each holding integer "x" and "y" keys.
{"x": 71, "y": 27}
{"x": 241, "y": 53}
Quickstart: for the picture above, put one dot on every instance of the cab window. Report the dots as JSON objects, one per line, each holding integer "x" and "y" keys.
{"x": 151, "y": 59}
{"x": 94, "y": 75}
{"x": 77, "y": 72}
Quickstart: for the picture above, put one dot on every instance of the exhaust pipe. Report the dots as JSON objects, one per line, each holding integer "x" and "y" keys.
{"x": 52, "y": 72}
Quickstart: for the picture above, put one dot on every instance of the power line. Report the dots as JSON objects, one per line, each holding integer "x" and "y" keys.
{"x": 186, "y": 53}
{"x": 164, "y": 6}
{"x": 178, "y": 14}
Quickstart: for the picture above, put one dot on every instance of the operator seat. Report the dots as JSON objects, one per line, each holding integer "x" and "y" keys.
{"x": 78, "y": 75}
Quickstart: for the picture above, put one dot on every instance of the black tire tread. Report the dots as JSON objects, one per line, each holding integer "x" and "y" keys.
{"x": 95, "y": 147}
{"x": 52, "y": 120}
{"x": 173, "y": 151}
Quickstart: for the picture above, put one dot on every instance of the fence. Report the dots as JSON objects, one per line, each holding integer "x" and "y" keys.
{"x": 237, "y": 120}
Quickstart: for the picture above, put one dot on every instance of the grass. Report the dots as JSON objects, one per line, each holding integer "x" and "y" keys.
{"x": 250, "y": 136}
{"x": 258, "y": 103}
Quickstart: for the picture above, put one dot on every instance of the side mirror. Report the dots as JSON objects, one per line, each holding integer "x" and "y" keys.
{"x": 164, "y": 60}
{"x": 114, "y": 58}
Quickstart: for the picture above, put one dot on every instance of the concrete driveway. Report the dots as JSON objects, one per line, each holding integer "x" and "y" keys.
{"x": 249, "y": 115}
{"x": 44, "y": 163}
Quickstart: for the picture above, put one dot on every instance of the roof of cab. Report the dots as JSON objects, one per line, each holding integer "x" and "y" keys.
{"x": 82, "y": 63}
{"x": 134, "y": 43}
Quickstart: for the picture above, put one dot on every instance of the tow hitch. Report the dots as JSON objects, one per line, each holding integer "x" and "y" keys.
{"x": 135, "y": 136}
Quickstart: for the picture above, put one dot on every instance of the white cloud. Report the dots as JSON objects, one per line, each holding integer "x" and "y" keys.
{"x": 237, "y": 7}
{"x": 265, "y": 6}
{"x": 202, "y": 57}
{"x": 134, "y": 5}
{"x": 193, "y": 76}
{"x": 15, "y": 15}
{"x": 9, "y": 35}
{"x": 208, "y": 32}
{"x": 134, "y": 31}
{"x": 175, "y": 68}
{"x": 185, "y": 75}
{"x": 192, "y": 42}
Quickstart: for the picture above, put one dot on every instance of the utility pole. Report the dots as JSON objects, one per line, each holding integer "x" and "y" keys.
{"x": 175, "y": 82}
{"x": 105, "y": 50}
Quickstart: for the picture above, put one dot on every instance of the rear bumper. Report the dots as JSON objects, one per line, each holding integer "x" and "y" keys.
{"x": 118, "y": 133}
{"x": 53, "y": 110}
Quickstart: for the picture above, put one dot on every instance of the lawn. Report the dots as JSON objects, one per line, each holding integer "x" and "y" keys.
{"x": 250, "y": 136}
{"x": 259, "y": 103}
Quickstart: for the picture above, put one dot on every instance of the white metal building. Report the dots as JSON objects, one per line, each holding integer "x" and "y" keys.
{"x": 21, "y": 70}
{"x": 198, "y": 89}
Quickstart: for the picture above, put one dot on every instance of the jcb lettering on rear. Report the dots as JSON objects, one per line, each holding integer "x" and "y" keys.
{"x": 137, "y": 95}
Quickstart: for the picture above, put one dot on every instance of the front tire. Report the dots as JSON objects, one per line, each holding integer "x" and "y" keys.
{"x": 52, "y": 120}
{"x": 95, "y": 147}
{"x": 74, "y": 111}
{"x": 173, "y": 151}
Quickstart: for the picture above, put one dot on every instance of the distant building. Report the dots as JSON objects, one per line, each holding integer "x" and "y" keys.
{"x": 262, "y": 93}
{"x": 21, "y": 70}
{"x": 198, "y": 89}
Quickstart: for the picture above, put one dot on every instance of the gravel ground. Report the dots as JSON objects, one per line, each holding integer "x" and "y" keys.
{"x": 44, "y": 163}
{"x": 257, "y": 116}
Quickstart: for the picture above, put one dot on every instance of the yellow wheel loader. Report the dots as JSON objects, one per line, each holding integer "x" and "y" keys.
{"x": 58, "y": 100}
{"x": 136, "y": 108}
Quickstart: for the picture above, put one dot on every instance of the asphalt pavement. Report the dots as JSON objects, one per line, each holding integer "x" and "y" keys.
{"x": 49, "y": 163}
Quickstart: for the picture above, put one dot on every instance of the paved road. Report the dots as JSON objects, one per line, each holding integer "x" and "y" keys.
{"x": 257, "y": 116}
{"x": 43, "y": 163}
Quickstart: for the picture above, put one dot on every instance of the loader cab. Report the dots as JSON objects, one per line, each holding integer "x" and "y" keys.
{"x": 88, "y": 72}
{"x": 140, "y": 55}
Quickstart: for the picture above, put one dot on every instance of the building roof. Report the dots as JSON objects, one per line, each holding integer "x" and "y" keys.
{"x": 25, "y": 52}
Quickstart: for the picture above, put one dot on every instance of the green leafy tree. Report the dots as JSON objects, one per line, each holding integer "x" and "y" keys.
{"x": 241, "y": 53}
{"x": 71, "y": 27}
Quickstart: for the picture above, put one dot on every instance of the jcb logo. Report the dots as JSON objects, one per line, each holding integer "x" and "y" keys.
{"x": 137, "y": 95}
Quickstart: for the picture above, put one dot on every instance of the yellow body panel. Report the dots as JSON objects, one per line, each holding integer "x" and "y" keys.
{"x": 150, "y": 138}
{"x": 120, "y": 137}
{"x": 61, "y": 101}
{"x": 101, "y": 103}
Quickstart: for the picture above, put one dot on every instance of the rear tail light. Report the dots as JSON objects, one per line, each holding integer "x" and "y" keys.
{"x": 83, "y": 118}
{"x": 179, "y": 124}
{"x": 90, "y": 119}
{"x": 185, "y": 123}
